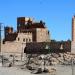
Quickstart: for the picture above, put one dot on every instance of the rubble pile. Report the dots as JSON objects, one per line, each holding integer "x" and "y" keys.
{"x": 38, "y": 63}
{"x": 52, "y": 59}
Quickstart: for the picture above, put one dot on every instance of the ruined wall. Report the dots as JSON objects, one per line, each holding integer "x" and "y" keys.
{"x": 42, "y": 35}
{"x": 24, "y": 37}
{"x": 11, "y": 47}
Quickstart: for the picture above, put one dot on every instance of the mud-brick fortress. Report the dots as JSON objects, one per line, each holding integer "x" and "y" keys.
{"x": 33, "y": 37}
{"x": 27, "y": 31}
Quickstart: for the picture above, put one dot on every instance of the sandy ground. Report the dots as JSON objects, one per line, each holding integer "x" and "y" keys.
{"x": 61, "y": 70}
{"x": 15, "y": 71}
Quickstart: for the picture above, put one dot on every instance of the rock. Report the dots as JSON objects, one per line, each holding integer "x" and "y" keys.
{"x": 37, "y": 71}
{"x": 10, "y": 64}
{"x": 52, "y": 70}
{"x": 29, "y": 67}
{"x": 45, "y": 70}
{"x": 7, "y": 64}
{"x": 0, "y": 64}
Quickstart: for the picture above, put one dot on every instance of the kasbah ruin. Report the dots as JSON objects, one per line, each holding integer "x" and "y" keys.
{"x": 33, "y": 38}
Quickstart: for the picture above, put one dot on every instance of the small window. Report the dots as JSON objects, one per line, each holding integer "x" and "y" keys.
{"x": 18, "y": 39}
{"x": 48, "y": 32}
{"x": 24, "y": 40}
{"x": 29, "y": 40}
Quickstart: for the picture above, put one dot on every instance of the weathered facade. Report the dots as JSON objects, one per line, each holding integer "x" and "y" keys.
{"x": 36, "y": 31}
{"x": 27, "y": 31}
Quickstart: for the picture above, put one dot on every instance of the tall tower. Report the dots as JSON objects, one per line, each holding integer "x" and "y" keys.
{"x": 22, "y": 23}
{"x": 73, "y": 35}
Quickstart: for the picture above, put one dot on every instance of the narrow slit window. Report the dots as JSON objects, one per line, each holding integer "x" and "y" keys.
{"x": 24, "y": 40}
{"x": 18, "y": 39}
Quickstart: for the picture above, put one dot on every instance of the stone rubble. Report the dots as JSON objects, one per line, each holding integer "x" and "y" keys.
{"x": 36, "y": 62}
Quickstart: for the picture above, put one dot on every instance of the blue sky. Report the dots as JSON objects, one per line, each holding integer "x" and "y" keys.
{"x": 57, "y": 14}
